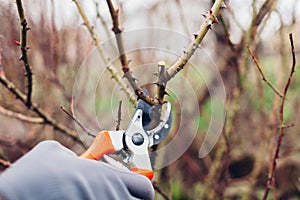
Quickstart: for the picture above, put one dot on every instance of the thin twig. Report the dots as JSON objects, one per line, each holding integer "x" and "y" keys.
{"x": 210, "y": 19}
{"x": 271, "y": 178}
{"x": 160, "y": 191}
{"x": 77, "y": 122}
{"x": 123, "y": 58}
{"x": 111, "y": 69}
{"x": 284, "y": 126}
{"x": 119, "y": 116}
{"x": 262, "y": 73}
{"x": 99, "y": 16}
{"x": 19, "y": 116}
{"x": 104, "y": 25}
{"x": 24, "y": 48}
{"x": 40, "y": 112}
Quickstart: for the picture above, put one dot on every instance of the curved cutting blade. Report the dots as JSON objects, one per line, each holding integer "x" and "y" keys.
{"x": 160, "y": 132}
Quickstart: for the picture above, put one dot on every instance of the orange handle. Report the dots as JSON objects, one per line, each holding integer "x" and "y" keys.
{"x": 101, "y": 145}
{"x": 144, "y": 172}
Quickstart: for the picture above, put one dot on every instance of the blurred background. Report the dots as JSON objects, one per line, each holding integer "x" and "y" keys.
{"x": 61, "y": 51}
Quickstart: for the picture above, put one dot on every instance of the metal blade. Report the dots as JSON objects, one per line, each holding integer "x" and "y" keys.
{"x": 160, "y": 132}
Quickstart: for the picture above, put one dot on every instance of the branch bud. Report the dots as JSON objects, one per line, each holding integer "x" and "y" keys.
{"x": 17, "y": 42}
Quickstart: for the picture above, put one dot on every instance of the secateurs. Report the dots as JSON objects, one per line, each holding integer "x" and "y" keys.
{"x": 132, "y": 143}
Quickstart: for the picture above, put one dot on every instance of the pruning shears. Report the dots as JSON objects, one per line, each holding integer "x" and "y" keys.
{"x": 132, "y": 143}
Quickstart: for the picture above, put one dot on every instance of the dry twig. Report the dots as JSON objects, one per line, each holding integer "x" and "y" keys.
{"x": 262, "y": 73}
{"x": 77, "y": 122}
{"x": 44, "y": 117}
{"x": 104, "y": 26}
{"x": 160, "y": 191}
{"x": 111, "y": 69}
{"x": 24, "y": 48}
{"x": 271, "y": 178}
{"x": 19, "y": 116}
{"x": 40, "y": 112}
{"x": 123, "y": 58}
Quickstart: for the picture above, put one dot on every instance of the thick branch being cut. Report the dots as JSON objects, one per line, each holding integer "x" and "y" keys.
{"x": 24, "y": 48}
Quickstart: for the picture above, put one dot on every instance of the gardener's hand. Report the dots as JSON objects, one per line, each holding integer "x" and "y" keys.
{"x": 51, "y": 171}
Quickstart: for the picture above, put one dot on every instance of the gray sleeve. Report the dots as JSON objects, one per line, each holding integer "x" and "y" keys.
{"x": 50, "y": 171}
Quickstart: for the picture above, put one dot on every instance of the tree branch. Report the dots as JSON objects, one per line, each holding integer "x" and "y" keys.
{"x": 77, "y": 122}
{"x": 271, "y": 178}
{"x": 24, "y": 48}
{"x": 262, "y": 73}
{"x": 19, "y": 116}
{"x": 41, "y": 113}
{"x": 111, "y": 69}
{"x": 264, "y": 10}
{"x": 123, "y": 58}
{"x": 104, "y": 25}
{"x": 117, "y": 30}
{"x": 178, "y": 65}
{"x": 160, "y": 191}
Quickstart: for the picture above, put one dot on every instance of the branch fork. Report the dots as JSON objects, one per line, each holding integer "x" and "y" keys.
{"x": 271, "y": 178}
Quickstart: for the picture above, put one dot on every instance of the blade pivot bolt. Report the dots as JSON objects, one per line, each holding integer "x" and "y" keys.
{"x": 137, "y": 139}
